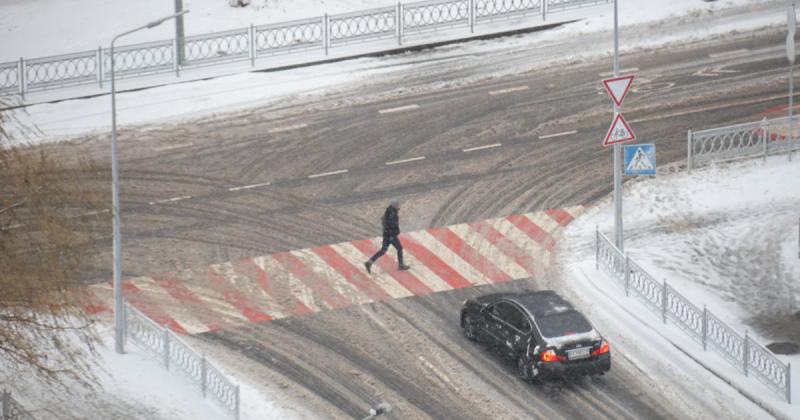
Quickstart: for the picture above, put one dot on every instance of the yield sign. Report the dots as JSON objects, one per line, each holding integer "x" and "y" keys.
{"x": 618, "y": 87}
{"x": 618, "y": 132}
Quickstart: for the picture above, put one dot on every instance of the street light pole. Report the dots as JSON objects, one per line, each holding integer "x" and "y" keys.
{"x": 119, "y": 320}
{"x": 618, "y": 237}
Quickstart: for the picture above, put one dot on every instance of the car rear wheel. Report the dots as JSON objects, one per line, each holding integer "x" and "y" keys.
{"x": 524, "y": 368}
{"x": 469, "y": 329}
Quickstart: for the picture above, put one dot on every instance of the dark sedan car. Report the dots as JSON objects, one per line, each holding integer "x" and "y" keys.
{"x": 542, "y": 332}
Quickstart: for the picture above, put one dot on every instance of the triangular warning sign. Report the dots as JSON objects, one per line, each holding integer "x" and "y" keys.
{"x": 618, "y": 88}
{"x": 640, "y": 161}
{"x": 618, "y": 132}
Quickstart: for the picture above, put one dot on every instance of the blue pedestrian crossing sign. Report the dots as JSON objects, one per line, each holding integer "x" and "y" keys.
{"x": 640, "y": 159}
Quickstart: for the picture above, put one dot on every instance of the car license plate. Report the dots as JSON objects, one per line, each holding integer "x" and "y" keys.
{"x": 580, "y": 353}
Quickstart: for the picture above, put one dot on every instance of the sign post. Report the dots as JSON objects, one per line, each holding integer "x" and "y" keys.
{"x": 791, "y": 21}
{"x": 619, "y": 131}
{"x": 617, "y": 151}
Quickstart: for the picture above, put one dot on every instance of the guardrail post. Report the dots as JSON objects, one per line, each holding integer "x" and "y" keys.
{"x": 124, "y": 323}
{"x": 627, "y": 274}
{"x": 6, "y": 405}
{"x": 472, "y": 6}
{"x": 664, "y": 302}
{"x": 203, "y": 373}
{"x": 544, "y": 10}
{"x": 237, "y": 402}
{"x": 166, "y": 348}
{"x": 21, "y": 77}
{"x": 745, "y": 352}
{"x": 689, "y": 150}
{"x": 252, "y": 40}
{"x": 175, "y": 60}
{"x": 99, "y": 66}
{"x": 764, "y": 137}
{"x": 400, "y": 23}
{"x": 325, "y": 34}
{"x": 789, "y": 383}
{"x": 596, "y": 247}
{"x": 705, "y": 328}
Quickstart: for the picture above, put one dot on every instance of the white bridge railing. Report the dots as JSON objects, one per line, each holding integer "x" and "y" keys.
{"x": 172, "y": 351}
{"x": 753, "y": 139}
{"x": 701, "y": 325}
{"x": 322, "y": 34}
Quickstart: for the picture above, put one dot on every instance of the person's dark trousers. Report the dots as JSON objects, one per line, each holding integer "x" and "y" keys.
{"x": 389, "y": 240}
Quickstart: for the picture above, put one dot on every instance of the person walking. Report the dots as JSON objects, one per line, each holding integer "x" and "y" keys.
{"x": 391, "y": 232}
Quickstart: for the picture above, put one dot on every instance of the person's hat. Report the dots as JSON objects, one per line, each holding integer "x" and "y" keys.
{"x": 394, "y": 203}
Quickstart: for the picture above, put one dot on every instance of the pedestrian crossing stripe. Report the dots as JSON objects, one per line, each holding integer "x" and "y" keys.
{"x": 329, "y": 277}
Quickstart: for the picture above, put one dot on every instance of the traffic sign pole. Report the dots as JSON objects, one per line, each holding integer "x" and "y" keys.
{"x": 791, "y": 22}
{"x": 618, "y": 238}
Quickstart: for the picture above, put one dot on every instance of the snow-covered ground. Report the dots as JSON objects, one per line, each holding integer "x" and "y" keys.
{"x": 694, "y": 229}
{"x": 724, "y": 236}
{"x": 134, "y": 386}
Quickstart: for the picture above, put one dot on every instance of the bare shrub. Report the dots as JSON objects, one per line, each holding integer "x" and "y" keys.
{"x": 44, "y": 232}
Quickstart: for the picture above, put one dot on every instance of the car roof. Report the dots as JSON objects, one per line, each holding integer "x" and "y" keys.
{"x": 538, "y": 304}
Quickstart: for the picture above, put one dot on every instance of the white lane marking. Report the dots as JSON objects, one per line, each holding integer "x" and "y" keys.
{"x": 348, "y": 290}
{"x": 286, "y": 128}
{"x": 252, "y": 291}
{"x": 565, "y": 133}
{"x": 381, "y": 279}
{"x": 212, "y": 300}
{"x": 729, "y": 53}
{"x": 453, "y": 260}
{"x": 283, "y": 279}
{"x": 172, "y": 147}
{"x": 544, "y": 221}
{"x": 397, "y": 162}
{"x": 247, "y": 187}
{"x": 438, "y": 373}
{"x": 341, "y": 171}
{"x": 524, "y": 242}
{"x": 418, "y": 269}
{"x": 96, "y": 212}
{"x": 488, "y": 146}
{"x": 13, "y": 227}
{"x": 509, "y": 90}
{"x": 399, "y": 109}
{"x": 489, "y": 251}
{"x": 155, "y": 295}
{"x": 620, "y": 72}
{"x": 170, "y": 200}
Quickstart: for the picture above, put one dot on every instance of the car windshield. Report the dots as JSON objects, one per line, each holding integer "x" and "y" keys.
{"x": 563, "y": 324}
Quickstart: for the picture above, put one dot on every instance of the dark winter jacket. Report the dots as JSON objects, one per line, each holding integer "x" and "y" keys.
{"x": 391, "y": 222}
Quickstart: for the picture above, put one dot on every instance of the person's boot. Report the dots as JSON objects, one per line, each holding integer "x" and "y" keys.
{"x": 368, "y": 266}
{"x": 403, "y": 267}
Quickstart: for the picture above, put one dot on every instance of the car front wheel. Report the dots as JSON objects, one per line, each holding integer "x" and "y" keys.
{"x": 469, "y": 328}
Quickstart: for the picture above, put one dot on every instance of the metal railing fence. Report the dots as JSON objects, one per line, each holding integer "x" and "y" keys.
{"x": 753, "y": 139}
{"x": 172, "y": 351}
{"x": 10, "y": 409}
{"x": 701, "y": 325}
{"x": 322, "y": 34}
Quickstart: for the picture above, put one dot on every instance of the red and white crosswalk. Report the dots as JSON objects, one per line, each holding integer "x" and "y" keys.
{"x": 328, "y": 277}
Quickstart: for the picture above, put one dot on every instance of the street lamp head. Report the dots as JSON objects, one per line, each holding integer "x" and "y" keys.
{"x": 162, "y": 20}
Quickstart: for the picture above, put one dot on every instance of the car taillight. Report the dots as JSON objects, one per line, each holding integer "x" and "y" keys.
{"x": 549, "y": 356}
{"x": 602, "y": 350}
